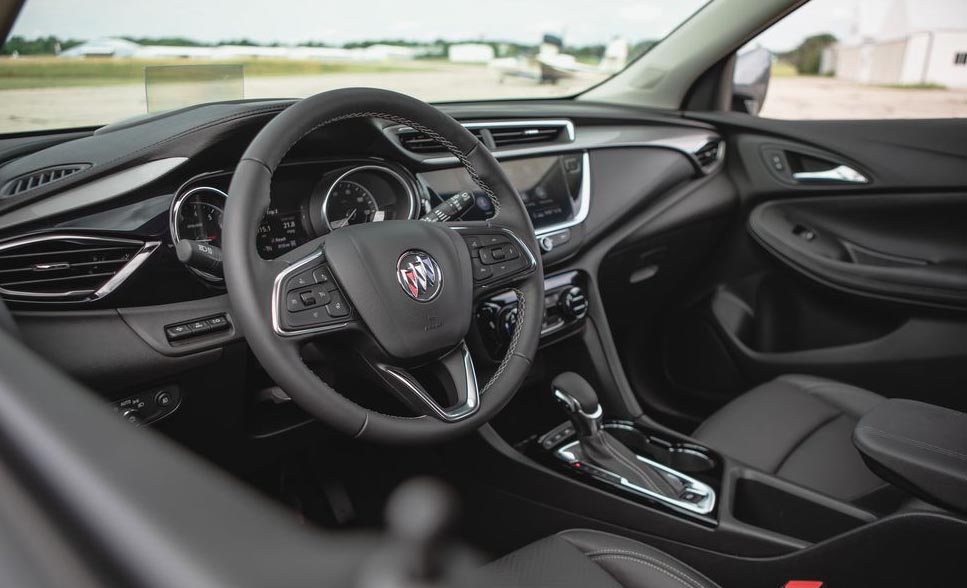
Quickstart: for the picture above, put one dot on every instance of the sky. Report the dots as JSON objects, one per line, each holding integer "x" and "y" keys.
{"x": 336, "y": 22}
{"x": 581, "y": 22}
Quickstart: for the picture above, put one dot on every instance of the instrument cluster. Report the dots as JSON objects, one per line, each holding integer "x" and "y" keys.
{"x": 306, "y": 202}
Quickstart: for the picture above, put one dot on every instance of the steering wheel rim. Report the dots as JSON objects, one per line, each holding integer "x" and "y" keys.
{"x": 246, "y": 273}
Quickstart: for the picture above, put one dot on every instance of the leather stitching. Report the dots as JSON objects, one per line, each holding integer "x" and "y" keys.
{"x": 805, "y": 438}
{"x": 634, "y": 467}
{"x": 914, "y": 443}
{"x": 658, "y": 565}
{"x": 521, "y": 309}
{"x": 447, "y": 144}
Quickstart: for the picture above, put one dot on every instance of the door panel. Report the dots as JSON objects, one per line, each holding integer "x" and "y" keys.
{"x": 897, "y": 246}
{"x": 859, "y": 281}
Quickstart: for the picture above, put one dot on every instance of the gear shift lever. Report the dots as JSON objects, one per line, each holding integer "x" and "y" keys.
{"x": 598, "y": 447}
{"x": 580, "y": 402}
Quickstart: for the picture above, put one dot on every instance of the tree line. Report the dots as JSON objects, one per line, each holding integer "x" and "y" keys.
{"x": 52, "y": 45}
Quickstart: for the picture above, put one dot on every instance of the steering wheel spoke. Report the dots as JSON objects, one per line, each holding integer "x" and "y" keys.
{"x": 306, "y": 300}
{"x": 498, "y": 255}
{"x": 462, "y": 390}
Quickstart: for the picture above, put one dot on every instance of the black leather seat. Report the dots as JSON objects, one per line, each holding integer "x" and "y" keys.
{"x": 798, "y": 428}
{"x": 591, "y": 559}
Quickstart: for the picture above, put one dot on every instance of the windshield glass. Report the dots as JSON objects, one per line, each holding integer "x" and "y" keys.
{"x": 72, "y": 63}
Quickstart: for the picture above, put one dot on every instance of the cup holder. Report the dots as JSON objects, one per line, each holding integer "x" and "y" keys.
{"x": 689, "y": 460}
{"x": 682, "y": 457}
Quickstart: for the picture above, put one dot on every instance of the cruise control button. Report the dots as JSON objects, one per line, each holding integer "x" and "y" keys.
{"x": 308, "y": 299}
{"x": 309, "y": 318}
{"x": 302, "y": 280}
{"x": 337, "y": 307}
{"x": 322, "y": 276}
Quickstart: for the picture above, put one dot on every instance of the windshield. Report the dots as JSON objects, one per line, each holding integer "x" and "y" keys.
{"x": 73, "y": 63}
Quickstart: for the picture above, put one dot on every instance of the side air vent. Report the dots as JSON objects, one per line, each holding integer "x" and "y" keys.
{"x": 495, "y": 135}
{"x": 418, "y": 142}
{"x": 68, "y": 267}
{"x": 41, "y": 178}
{"x": 710, "y": 153}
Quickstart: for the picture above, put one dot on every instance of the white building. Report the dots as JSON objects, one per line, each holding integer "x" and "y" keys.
{"x": 471, "y": 53}
{"x": 918, "y": 42}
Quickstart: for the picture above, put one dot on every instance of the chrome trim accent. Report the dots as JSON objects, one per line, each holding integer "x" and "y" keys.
{"x": 176, "y": 203}
{"x": 277, "y": 298}
{"x": 147, "y": 248}
{"x": 593, "y": 420}
{"x": 841, "y": 174}
{"x": 94, "y": 192}
{"x": 505, "y": 124}
{"x": 705, "y": 506}
{"x": 414, "y": 203}
{"x": 451, "y": 415}
{"x": 584, "y": 202}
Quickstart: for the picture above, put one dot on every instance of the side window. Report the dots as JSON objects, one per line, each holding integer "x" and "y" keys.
{"x": 859, "y": 59}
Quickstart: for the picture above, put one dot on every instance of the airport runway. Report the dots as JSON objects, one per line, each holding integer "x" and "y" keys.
{"x": 789, "y": 97}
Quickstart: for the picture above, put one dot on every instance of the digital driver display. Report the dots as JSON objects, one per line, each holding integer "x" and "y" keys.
{"x": 279, "y": 232}
{"x": 549, "y": 187}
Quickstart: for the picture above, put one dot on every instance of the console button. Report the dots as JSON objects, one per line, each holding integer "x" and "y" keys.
{"x": 163, "y": 399}
{"x": 177, "y": 332}
{"x": 199, "y": 327}
{"x": 293, "y": 302}
{"x": 218, "y": 323}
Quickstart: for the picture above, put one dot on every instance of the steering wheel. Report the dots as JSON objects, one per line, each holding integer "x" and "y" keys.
{"x": 401, "y": 293}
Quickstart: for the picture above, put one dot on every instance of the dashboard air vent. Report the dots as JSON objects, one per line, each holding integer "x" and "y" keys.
{"x": 495, "y": 135}
{"x": 41, "y": 178}
{"x": 68, "y": 267}
{"x": 710, "y": 153}
{"x": 418, "y": 142}
{"x": 526, "y": 135}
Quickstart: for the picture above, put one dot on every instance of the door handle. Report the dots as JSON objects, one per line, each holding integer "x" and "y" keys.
{"x": 841, "y": 174}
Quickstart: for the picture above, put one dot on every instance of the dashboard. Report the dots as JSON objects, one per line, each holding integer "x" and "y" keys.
{"x": 89, "y": 263}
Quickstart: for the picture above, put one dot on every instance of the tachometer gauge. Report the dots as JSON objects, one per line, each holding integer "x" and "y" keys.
{"x": 349, "y": 203}
{"x": 197, "y": 215}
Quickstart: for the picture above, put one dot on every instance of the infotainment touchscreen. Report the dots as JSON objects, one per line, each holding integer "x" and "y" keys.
{"x": 549, "y": 187}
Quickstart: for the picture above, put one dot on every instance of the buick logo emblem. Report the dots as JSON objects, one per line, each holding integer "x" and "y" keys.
{"x": 419, "y": 275}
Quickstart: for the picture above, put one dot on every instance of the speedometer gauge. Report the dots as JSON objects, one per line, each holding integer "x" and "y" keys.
{"x": 198, "y": 216}
{"x": 350, "y": 203}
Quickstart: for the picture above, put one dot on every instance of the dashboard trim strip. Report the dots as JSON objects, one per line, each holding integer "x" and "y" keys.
{"x": 95, "y": 192}
{"x": 584, "y": 202}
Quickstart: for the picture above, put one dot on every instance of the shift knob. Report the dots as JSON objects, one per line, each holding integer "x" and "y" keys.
{"x": 580, "y": 402}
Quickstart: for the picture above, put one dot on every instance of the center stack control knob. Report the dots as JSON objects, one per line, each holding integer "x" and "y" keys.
{"x": 573, "y": 303}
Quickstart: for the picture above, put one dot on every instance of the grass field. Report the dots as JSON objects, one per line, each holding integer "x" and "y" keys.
{"x": 53, "y": 72}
